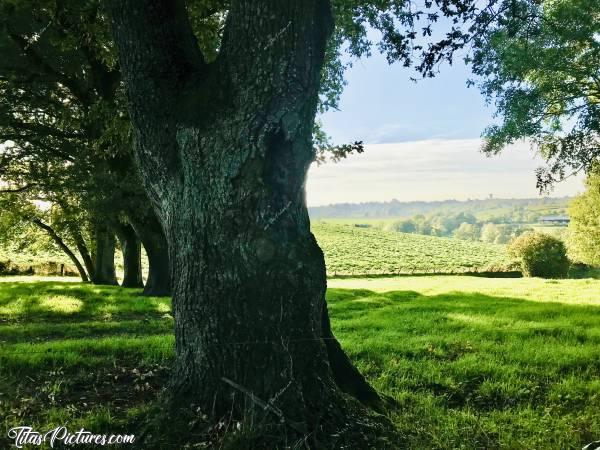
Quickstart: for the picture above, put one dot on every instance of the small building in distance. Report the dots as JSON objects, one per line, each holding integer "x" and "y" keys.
{"x": 554, "y": 220}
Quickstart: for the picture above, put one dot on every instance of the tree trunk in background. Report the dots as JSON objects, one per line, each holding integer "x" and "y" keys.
{"x": 159, "y": 282}
{"x": 153, "y": 239}
{"x": 84, "y": 252}
{"x": 227, "y": 181}
{"x": 104, "y": 256}
{"x": 131, "y": 248}
{"x": 58, "y": 240}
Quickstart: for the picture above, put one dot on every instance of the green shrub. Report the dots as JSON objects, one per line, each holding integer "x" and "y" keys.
{"x": 404, "y": 226}
{"x": 541, "y": 255}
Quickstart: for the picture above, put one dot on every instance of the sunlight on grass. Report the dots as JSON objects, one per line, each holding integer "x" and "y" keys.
{"x": 86, "y": 352}
{"x": 498, "y": 322}
{"x": 472, "y": 362}
{"x": 28, "y": 279}
{"x": 61, "y": 304}
{"x": 584, "y": 292}
{"x": 163, "y": 308}
{"x": 14, "y": 307}
{"x": 56, "y": 299}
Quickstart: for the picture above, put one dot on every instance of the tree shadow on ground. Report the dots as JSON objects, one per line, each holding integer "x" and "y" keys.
{"x": 465, "y": 359}
{"x": 75, "y": 301}
{"x": 467, "y": 335}
{"x": 452, "y": 360}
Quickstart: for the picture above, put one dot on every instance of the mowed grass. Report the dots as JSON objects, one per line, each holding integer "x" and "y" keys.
{"x": 477, "y": 362}
{"x": 472, "y": 362}
{"x": 389, "y": 252}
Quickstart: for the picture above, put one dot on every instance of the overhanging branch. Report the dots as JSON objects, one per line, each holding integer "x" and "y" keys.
{"x": 18, "y": 190}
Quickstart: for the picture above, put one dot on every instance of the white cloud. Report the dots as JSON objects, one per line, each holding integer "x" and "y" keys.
{"x": 433, "y": 169}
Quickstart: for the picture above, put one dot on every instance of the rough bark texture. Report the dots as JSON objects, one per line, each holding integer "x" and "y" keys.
{"x": 153, "y": 239}
{"x": 131, "y": 248}
{"x": 63, "y": 246}
{"x": 84, "y": 252}
{"x": 104, "y": 257}
{"x": 227, "y": 182}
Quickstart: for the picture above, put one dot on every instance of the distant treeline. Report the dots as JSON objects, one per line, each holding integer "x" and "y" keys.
{"x": 490, "y": 210}
{"x": 463, "y": 226}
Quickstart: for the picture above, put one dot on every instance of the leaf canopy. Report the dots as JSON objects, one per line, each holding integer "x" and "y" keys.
{"x": 539, "y": 64}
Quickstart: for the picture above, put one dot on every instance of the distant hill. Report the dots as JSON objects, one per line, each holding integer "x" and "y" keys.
{"x": 527, "y": 209}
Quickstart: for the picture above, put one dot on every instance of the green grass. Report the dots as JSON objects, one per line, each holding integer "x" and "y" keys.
{"x": 44, "y": 262}
{"x": 28, "y": 261}
{"x": 479, "y": 363}
{"x": 472, "y": 362}
{"x": 389, "y": 252}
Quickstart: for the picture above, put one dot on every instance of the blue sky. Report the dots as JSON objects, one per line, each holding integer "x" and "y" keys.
{"x": 422, "y": 142}
{"x": 382, "y": 105}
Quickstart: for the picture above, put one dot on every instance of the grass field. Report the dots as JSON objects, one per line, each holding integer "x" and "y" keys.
{"x": 48, "y": 263}
{"x": 389, "y": 252}
{"x": 473, "y": 362}
{"x": 44, "y": 262}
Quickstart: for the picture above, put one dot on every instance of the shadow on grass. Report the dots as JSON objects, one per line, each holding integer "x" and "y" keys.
{"x": 466, "y": 368}
{"x": 489, "y": 311}
{"x": 66, "y": 300}
{"x": 469, "y": 350}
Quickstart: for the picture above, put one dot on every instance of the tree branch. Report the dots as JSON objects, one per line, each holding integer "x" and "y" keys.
{"x": 46, "y": 68}
{"x": 19, "y": 189}
{"x": 58, "y": 240}
{"x": 155, "y": 42}
{"x": 104, "y": 79}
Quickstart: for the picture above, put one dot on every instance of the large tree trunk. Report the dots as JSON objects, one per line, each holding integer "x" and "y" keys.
{"x": 251, "y": 326}
{"x": 104, "y": 256}
{"x": 153, "y": 239}
{"x": 131, "y": 248}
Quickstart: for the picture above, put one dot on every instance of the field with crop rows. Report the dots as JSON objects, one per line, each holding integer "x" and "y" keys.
{"x": 350, "y": 250}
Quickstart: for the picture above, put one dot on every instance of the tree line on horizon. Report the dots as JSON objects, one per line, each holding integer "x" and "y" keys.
{"x": 496, "y": 210}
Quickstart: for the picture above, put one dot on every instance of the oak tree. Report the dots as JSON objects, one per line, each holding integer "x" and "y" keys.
{"x": 224, "y": 140}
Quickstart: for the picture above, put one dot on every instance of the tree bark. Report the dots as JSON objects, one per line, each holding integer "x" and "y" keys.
{"x": 64, "y": 247}
{"x": 227, "y": 181}
{"x": 104, "y": 257}
{"x": 153, "y": 239}
{"x": 131, "y": 248}
{"x": 84, "y": 252}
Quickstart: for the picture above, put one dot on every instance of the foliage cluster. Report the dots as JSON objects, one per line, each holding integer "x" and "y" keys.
{"x": 584, "y": 228}
{"x": 462, "y": 225}
{"x": 538, "y": 64}
{"x": 541, "y": 255}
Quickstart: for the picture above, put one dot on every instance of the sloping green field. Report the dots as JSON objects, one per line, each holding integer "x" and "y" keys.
{"x": 350, "y": 250}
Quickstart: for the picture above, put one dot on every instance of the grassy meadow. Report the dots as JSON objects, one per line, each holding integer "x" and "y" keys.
{"x": 15, "y": 261}
{"x": 388, "y": 252}
{"x": 472, "y": 362}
